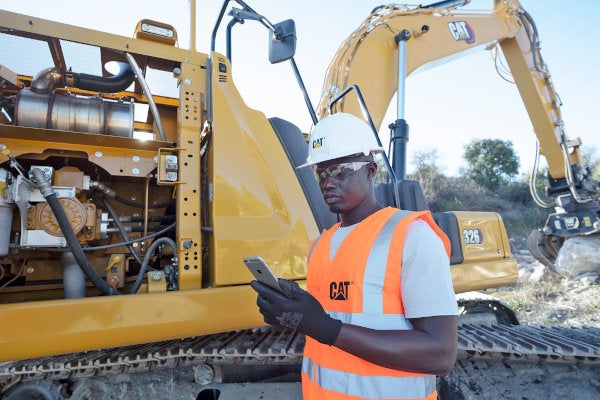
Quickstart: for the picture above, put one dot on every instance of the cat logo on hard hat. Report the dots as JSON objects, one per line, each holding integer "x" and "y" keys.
{"x": 317, "y": 143}
{"x": 461, "y": 30}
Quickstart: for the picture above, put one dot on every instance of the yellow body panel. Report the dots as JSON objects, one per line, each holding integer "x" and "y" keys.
{"x": 42, "y": 328}
{"x": 490, "y": 240}
{"x": 470, "y": 276}
{"x": 487, "y": 259}
{"x": 258, "y": 207}
{"x": 237, "y": 197}
{"x": 188, "y": 198}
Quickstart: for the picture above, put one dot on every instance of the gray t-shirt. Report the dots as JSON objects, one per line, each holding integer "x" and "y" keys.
{"x": 426, "y": 280}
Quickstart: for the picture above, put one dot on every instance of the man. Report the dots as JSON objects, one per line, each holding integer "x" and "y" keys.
{"x": 380, "y": 313}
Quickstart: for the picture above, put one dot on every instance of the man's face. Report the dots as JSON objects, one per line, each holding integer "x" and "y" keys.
{"x": 345, "y": 182}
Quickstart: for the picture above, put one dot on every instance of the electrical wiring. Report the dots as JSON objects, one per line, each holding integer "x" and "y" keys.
{"x": 112, "y": 245}
{"x": 15, "y": 277}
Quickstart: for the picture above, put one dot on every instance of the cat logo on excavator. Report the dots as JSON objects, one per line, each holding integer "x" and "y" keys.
{"x": 461, "y": 30}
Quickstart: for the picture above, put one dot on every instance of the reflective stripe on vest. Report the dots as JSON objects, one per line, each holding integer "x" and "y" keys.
{"x": 374, "y": 274}
{"x": 371, "y": 387}
{"x": 339, "y": 373}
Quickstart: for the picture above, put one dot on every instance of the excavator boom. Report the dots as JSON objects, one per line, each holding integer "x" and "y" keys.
{"x": 442, "y": 31}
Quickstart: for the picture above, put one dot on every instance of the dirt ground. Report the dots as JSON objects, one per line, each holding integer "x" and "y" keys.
{"x": 481, "y": 380}
{"x": 539, "y": 298}
{"x": 542, "y": 298}
{"x": 168, "y": 384}
{"x": 180, "y": 385}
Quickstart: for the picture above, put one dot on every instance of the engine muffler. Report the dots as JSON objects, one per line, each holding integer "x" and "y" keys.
{"x": 71, "y": 113}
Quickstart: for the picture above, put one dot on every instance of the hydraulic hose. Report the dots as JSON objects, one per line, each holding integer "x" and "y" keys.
{"x": 113, "y": 195}
{"x": 154, "y": 218}
{"x": 140, "y": 239}
{"x": 146, "y": 261}
{"x": 113, "y": 84}
{"x": 48, "y": 79}
{"x": 73, "y": 277}
{"x": 121, "y": 229}
{"x": 139, "y": 205}
{"x": 129, "y": 229}
{"x": 67, "y": 230}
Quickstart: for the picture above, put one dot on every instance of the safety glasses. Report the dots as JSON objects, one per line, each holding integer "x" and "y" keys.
{"x": 339, "y": 171}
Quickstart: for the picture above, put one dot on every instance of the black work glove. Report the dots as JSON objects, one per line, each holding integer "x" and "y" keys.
{"x": 296, "y": 309}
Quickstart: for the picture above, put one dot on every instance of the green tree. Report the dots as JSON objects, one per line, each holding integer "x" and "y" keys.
{"x": 426, "y": 169}
{"x": 491, "y": 162}
{"x": 429, "y": 174}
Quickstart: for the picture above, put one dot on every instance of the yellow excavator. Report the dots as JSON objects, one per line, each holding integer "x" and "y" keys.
{"x": 128, "y": 199}
{"x": 570, "y": 188}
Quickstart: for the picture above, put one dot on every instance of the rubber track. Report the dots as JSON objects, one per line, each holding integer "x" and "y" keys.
{"x": 270, "y": 346}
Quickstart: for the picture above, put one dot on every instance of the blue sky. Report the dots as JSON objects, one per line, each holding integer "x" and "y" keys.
{"x": 446, "y": 106}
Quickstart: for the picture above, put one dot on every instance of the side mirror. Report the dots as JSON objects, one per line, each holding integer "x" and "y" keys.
{"x": 282, "y": 41}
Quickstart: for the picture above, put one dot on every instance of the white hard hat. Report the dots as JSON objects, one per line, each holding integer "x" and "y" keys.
{"x": 340, "y": 135}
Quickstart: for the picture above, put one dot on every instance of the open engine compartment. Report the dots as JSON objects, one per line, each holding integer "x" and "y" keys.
{"x": 95, "y": 137}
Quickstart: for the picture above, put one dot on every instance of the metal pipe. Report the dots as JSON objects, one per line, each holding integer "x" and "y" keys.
{"x": 193, "y": 25}
{"x": 399, "y": 129}
{"x": 401, "y": 40}
{"x": 113, "y": 195}
{"x": 6, "y": 217}
{"x": 146, "y": 204}
{"x": 447, "y": 3}
{"x": 228, "y": 36}
{"x": 209, "y": 92}
{"x": 533, "y": 178}
{"x": 213, "y": 36}
{"x": 121, "y": 228}
{"x": 6, "y": 208}
{"x": 128, "y": 228}
{"x": 150, "y": 236}
{"x": 137, "y": 218}
{"x": 311, "y": 110}
{"x": 149, "y": 98}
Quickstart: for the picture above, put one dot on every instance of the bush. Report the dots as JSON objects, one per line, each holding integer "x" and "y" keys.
{"x": 517, "y": 192}
{"x": 521, "y": 220}
{"x": 512, "y": 201}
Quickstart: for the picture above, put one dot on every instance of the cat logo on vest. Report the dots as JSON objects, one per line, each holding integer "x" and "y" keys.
{"x": 339, "y": 290}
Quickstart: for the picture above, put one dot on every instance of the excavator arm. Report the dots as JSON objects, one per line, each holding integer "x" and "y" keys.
{"x": 437, "y": 33}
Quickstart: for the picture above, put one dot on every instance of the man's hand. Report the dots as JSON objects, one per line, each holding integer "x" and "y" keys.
{"x": 296, "y": 309}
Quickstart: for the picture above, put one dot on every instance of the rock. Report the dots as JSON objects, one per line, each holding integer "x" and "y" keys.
{"x": 538, "y": 273}
{"x": 589, "y": 279}
{"x": 532, "y": 272}
{"x": 579, "y": 257}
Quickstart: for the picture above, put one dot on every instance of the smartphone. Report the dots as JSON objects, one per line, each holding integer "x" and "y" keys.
{"x": 262, "y": 272}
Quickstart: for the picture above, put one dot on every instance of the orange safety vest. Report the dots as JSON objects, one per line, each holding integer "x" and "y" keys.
{"x": 361, "y": 286}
